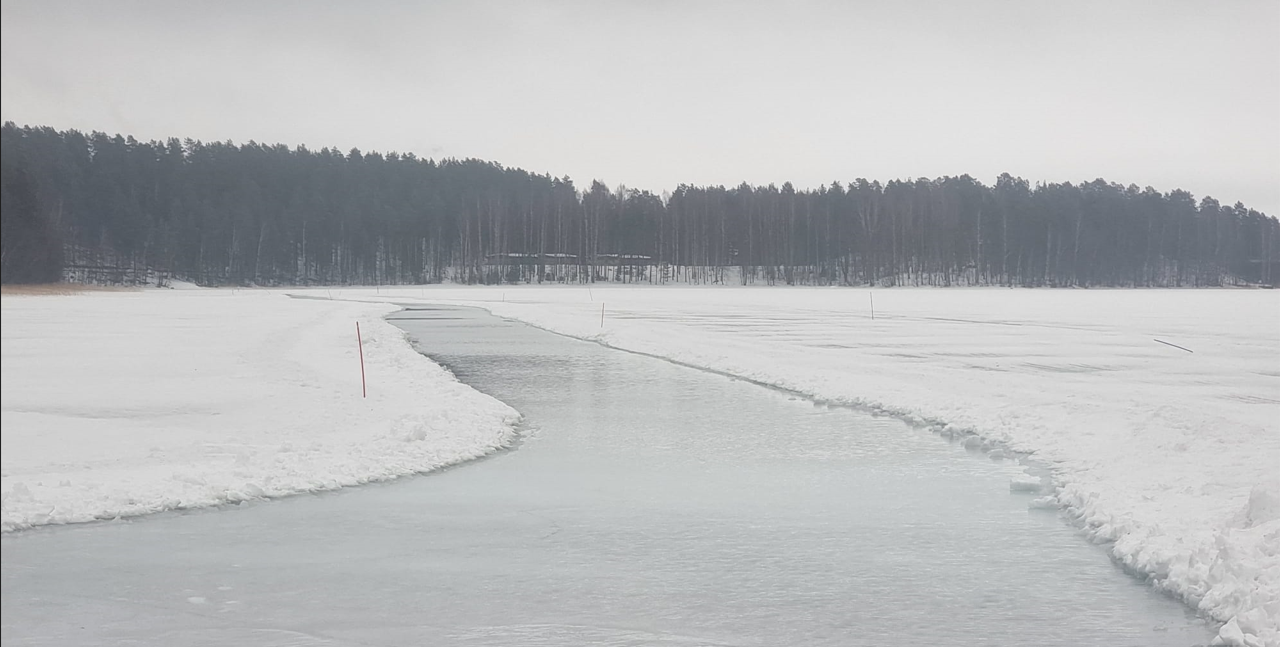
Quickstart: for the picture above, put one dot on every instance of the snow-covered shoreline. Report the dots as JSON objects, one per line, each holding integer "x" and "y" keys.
{"x": 127, "y": 403}
{"x": 1166, "y": 456}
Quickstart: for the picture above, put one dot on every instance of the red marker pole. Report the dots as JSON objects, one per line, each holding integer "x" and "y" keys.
{"x": 364, "y": 387}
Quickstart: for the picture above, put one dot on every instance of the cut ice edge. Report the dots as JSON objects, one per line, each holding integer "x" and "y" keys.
{"x": 1242, "y": 620}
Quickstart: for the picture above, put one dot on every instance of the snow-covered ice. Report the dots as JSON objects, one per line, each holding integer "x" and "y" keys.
{"x": 124, "y": 403}
{"x": 658, "y": 505}
{"x": 1166, "y": 455}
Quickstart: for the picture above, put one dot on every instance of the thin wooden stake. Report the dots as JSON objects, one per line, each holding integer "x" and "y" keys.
{"x": 602, "y": 314}
{"x": 872, "y": 295}
{"x": 364, "y": 386}
{"x": 1174, "y": 345}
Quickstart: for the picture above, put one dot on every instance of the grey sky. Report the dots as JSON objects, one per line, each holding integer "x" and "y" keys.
{"x": 1174, "y": 94}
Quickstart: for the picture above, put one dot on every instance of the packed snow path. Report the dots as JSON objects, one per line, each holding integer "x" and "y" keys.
{"x": 648, "y": 504}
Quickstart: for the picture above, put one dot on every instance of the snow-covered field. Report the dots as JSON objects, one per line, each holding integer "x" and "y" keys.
{"x": 124, "y": 403}
{"x": 1169, "y": 456}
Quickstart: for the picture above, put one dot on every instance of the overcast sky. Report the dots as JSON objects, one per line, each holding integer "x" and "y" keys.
{"x": 652, "y": 94}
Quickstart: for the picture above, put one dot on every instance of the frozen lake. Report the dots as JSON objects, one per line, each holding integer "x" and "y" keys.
{"x": 649, "y": 504}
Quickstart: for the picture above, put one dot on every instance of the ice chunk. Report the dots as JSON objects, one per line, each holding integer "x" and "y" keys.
{"x": 1043, "y": 503}
{"x": 1264, "y": 504}
{"x": 1029, "y": 484}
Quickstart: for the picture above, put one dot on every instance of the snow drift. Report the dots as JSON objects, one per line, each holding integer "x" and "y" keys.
{"x": 125, "y": 403}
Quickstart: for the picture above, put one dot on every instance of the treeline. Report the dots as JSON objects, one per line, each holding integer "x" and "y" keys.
{"x": 111, "y": 208}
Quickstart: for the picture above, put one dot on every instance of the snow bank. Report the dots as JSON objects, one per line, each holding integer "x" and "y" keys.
{"x": 124, "y": 403}
{"x": 1165, "y": 455}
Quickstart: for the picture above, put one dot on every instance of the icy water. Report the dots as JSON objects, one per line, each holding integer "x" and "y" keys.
{"x": 648, "y": 504}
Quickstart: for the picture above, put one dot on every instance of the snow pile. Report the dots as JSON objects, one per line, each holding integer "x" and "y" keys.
{"x": 124, "y": 403}
{"x": 1163, "y": 453}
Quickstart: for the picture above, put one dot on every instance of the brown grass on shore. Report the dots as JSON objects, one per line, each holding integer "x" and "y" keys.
{"x": 52, "y": 289}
